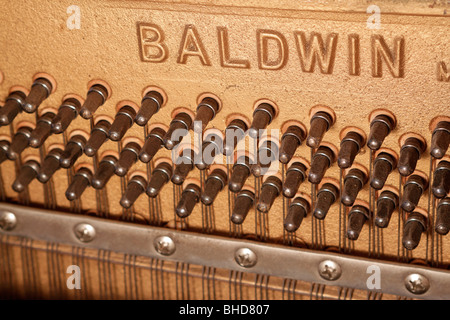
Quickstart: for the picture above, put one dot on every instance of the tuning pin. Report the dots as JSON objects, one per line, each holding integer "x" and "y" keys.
{"x": 128, "y": 156}
{"x": 242, "y": 205}
{"x": 383, "y": 165}
{"x": 206, "y": 111}
{"x": 386, "y": 204}
{"x": 357, "y": 217}
{"x": 213, "y": 185}
{"x": 80, "y": 182}
{"x": 239, "y": 174}
{"x": 152, "y": 144}
{"x": 354, "y": 181}
{"x": 150, "y": 104}
{"x": 321, "y": 161}
{"x": 211, "y": 146}
{"x": 67, "y": 112}
{"x": 443, "y": 216}
{"x": 350, "y": 147}
{"x": 412, "y": 191}
{"x": 290, "y": 141}
{"x": 13, "y": 105}
{"x": 441, "y": 181}
{"x": 72, "y": 151}
{"x": 410, "y": 152}
{"x": 19, "y": 142}
{"x": 4, "y": 149}
{"x": 298, "y": 209}
{"x": 40, "y": 90}
{"x": 295, "y": 175}
{"x": 270, "y": 189}
{"x": 440, "y": 139}
{"x": 415, "y": 225}
{"x": 122, "y": 122}
{"x": 135, "y": 187}
{"x": 380, "y": 127}
{"x": 50, "y": 165}
{"x": 178, "y": 128}
{"x": 160, "y": 176}
{"x": 320, "y": 123}
{"x": 27, "y": 173}
{"x": 262, "y": 117}
{"x": 267, "y": 153}
{"x": 184, "y": 164}
{"x": 189, "y": 198}
{"x": 96, "y": 97}
{"x": 234, "y": 133}
{"x": 99, "y": 134}
{"x": 326, "y": 196}
{"x": 42, "y": 131}
{"x": 105, "y": 170}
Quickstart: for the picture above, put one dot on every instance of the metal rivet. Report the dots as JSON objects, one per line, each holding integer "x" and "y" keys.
{"x": 84, "y": 232}
{"x": 245, "y": 257}
{"x": 164, "y": 245}
{"x": 8, "y": 220}
{"x": 330, "y": 270}
{"x": 417, "y": 283}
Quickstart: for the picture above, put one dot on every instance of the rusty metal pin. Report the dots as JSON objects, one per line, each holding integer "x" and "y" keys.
{"x": 267, "y": 153}
{"x": 185, "y": 163}
{"x": 383, "y": 165}
{"x": 189, "y": 198}
{"x": 215, "y": 182}
{"x": 27, "y": 173}
{"x": 357, "y": 217}
{"x": 128, "y": 156}
{"x": 321, "y": 161}
{"x": 326, "y": 196}
{"x": 440, "y": 139}
{"x": 206, "y": 111}
{"x": 262, "y": 117}
{"x": 135, "y": 187}
{"x": 353, "y": 183}
{"x": 72, "y": 151}
{"x": 441, "y": 181}
{"x": 67, "y": 112}
{"x": 96, "y": 97}
{"x": 13, "y": 106}
{"x": 105, "y": 170}
{"x": 40, "y": 90}
{"x": 290, "y": 141}
{"x": 19, "y": 142}
{"x": 320, "y": 123}
{"x": 81, "y": 180}
{"x": 295, "y": 175}
{"x": 122, "y": 122}
{"x": 234, "y": 133}
{"x": 239, "y": 174}
{"x": 99, "y": 134}
{"x": 4, "y": 149}
{"x": 415, "y": 225}
{"x": 386, "y": 204}
{"x": 160, "y": 176}
{"x": 350, "y": 146}
{"x": 443, "y": 216}
{"x": 380, "y": 127}
{"x": 42, "y": 131}
{"x": 413, "y": 189}
{"x": 270, "y": 189}
{"x": 151, "y": 103}
{"x": 242, "y": 205}
{"x": 152, "y": 144}
{"x": 50, "y": 165}
{"x": 298, "y": 209}
{"x": 410, "y": 152}
{"x": 178, "y": 128}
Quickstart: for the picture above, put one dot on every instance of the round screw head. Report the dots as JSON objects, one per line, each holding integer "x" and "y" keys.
{"x": 330, "y": 270}
{"x": 417, "y": 283}
{"x": 8, "y": 220}
{"x": 245, "y": 257}
{"x": 164, "y": 245}
{"x": 84, "y": 232}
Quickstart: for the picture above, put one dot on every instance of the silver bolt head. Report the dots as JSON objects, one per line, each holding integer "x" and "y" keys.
{"x": 417, "y": 283}
{"x": 330, "y": 270}
{"x": 164, "y": 245}
{"x": 245, "y": 257}
{"x": 84, "y": 232}
{"x": 8, "y": 220}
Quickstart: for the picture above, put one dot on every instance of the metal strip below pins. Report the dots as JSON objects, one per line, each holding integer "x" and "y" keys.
{"x": 220, "y": 252}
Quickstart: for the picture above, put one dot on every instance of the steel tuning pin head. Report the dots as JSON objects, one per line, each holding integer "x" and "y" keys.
{"x": 152, "y": 144}
{"x": 350, "y": 146}
{"x": 295, "y": 175}
{"x": 135, "y": 187}
{"x": 354, "y": 181}
{"x": 380, "y": 127}
{"x": 234, "y": 133}
{"x": 13, "y": 106}
{"x": 298, "y": 209}
{"x": 67, "y": 112}
{"x": 50, "y": 165}
{"x": 42, "y": 131}
{"x": 178, "y": 128}
{"x": 291, "y": 139}
{"x": 184, "y": 164}
{"x": 386, "y": 204}
{"x": 440, "y": 139}
{"x": 27, "y": 173}
{"x": 239, "y": 174}
{"x": 96, "y": 97}
{"x": 267, "y": 153}
{"x": 410, "y": 152}
{"x": 128, "y": 156}
{"x": 105, "y": 170}
{"x": 160, "y": 176}
{"x": 415, "y": 225}
{"x": 73, "y": 150}
{"x": 122, "y": 122}
{"x": 80, "y": 182}
{"x": 206, "y": 111}
{"x": 19, "y": 142}
{"x": 270, "y": 189}
{"x": 357, "y": 217}
{"x": 211, "y": 146}
{"x": 40, "y": 90}
{"x": 441, "y": 181}
{"x": 189, "y": 198}
{"x": 4, "y": 149}
{"x": 99, "y": 134}
{"x": 320, "y": 123}
{"x": 321, "y": 161}
{"x": 215, "y": 182}
{"x": 150, "y": 104}
{"x": 383, "y": 165}
{"x": 263, "y": 115}
{"x": 412, "y": 191}
{"x": 443, "y": 217}
{"x": 326, "y": 196}
{"x": 242, "y": 205}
